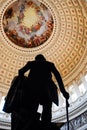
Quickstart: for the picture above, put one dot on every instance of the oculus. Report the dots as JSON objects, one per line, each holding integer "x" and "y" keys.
{"x": 28, "y": 23}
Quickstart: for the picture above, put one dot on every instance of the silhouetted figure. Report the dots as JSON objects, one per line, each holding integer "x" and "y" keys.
{"x": 26, "y": 93}
{"x": 40, "y": 88}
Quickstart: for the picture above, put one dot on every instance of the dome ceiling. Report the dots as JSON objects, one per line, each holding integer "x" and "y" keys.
{"x": 28, "y": 23}
{"x": 63, "y": 25}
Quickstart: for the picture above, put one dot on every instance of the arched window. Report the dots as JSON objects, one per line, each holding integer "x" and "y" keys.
{"x": 2, "y": 104}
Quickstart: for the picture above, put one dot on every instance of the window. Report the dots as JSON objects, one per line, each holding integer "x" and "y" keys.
{"x": 86, "y": 77}
{"x": 2, "y": 103}
{"x": 82, "y": 88}
{"x": 74, "y": 97}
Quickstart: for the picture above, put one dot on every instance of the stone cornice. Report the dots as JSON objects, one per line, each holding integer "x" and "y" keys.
{"x": 76, "y": 108}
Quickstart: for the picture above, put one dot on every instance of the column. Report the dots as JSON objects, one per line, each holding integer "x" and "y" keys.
{"x": 61, "y": 99}
{"x": 0, "y": 97}
{"x": 84, "y": 81}
{"x": 76, "y": 88}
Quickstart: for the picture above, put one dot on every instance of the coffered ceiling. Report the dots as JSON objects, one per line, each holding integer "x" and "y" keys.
{"x": 66, "y": 45}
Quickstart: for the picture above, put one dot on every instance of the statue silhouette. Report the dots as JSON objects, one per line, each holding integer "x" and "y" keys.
{"x": 38, "y": 89}
{"x": 43, "y": 90}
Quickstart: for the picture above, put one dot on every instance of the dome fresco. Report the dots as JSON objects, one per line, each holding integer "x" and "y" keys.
{"x": 28, "y": 23}
{"x": 63, "y": 25}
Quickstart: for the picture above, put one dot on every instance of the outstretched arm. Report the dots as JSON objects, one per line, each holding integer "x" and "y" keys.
{"x": 60, "y": 82}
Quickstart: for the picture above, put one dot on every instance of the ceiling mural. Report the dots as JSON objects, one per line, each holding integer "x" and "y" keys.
{"x": 28, "y": 23}
{"x": 55, "y": 28}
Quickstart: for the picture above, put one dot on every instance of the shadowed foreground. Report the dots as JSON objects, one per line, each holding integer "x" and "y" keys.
{"x": 33, "y": 123}
{"x": 40, "y": 126}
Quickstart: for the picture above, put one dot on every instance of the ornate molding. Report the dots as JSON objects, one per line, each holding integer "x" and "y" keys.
{"x": 76, "y": 108}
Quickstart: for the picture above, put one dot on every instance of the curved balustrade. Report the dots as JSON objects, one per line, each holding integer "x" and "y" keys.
{"x": 76, "y": 109}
